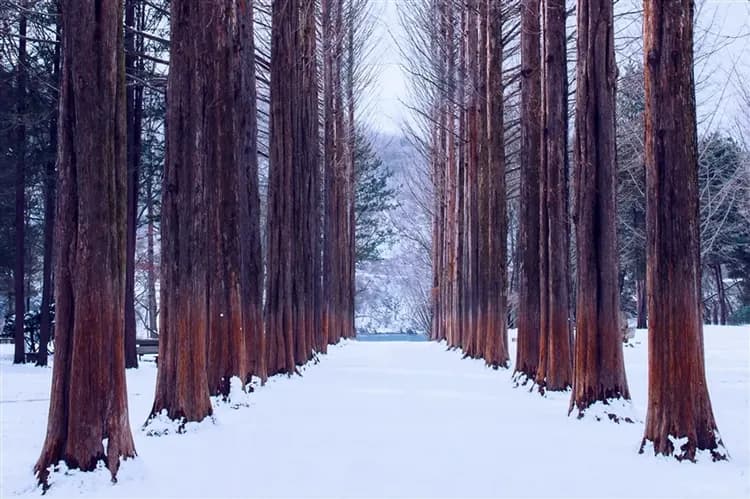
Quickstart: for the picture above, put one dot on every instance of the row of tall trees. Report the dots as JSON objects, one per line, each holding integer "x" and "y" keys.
{"x": 214, "y": 324}
{"x": 464, "y": 146}
{"x": 467, "y": 165}
{"x": 146, "y": 38}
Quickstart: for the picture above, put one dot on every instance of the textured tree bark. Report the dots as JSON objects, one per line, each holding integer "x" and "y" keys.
{"x": 329, "y": 211}
{"x": 483, "y": 185}
{"x": 19, "y": 279}
{"x": 554, "y": 371}
{"x": 496, "y": 349}
{"x": 88, "y": 397}
{"x": 246, "y": 128}
{"x": 134, "y": 110}
{"x": 472, "y": 181}
{"x": 309, "y": 179}
{"x": 182, "y": 389}
{"x": 210, "y": 263}
{"x": 599, "y": 374}
{"x": 461, "y": 166}
{"x": 527, "y": 353}
{"x": 336, "y": 175}
{"x": 230, "y": 149}
{"x": 350, "y": 282}
{"x": 450, "y": 258}
{"x": 50, "y": 182}
{"x": 293, "y": 300}
{"x": 679, "y": 418}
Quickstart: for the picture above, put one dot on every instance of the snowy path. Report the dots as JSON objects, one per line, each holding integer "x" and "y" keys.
{"x": 381, "y": 419}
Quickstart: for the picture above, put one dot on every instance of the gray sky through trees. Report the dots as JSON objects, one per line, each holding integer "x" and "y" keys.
{"x": 722, "y": 60}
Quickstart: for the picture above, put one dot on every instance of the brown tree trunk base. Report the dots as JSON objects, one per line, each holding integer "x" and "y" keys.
{"x": 687, "y": 448}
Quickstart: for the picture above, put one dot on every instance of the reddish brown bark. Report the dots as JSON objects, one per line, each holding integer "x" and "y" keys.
{"x": 229, "y": 150}
{"x": 496, "y": 343}
{"x": 209, "y": 179}
{"x": 468, "y": 174}
{"x": 88, "y": 397}
{"x": 293, "y": 301}
{"x": 679, "y": 406}
{"x": 246, "y": 154}
{"x": 182, "y": 383}
{"x": 527, "y": 353}
{"x": 599, "y": 373}
{"x": 554, "y": 371}
{"x": 336, "y": 171}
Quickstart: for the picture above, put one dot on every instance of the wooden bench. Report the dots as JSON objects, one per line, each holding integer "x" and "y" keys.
{"x": 147, "y": 346}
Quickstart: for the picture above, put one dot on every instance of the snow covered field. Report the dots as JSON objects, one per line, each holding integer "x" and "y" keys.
{"x": 381, "y": 419}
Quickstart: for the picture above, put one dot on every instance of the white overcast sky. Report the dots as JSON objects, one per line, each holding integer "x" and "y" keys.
{"x": 725, "y": 25}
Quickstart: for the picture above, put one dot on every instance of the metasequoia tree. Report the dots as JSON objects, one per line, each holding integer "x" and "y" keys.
{"x": 555, "y": 366}
{"x": 293, "y": 300}
{"x": 527, "y": 353}
{"x": 182, "y": 382}
{"x": 599, "y": 373}
{"x": 234, "y": 300}
{"x": 88, "y": 402}
{"x": 462, "y": 70}
{"x": 338, "y": 313}
{"x": 496, "y": 340}
{"x": 679, "y": 419}
{"x": 210, "y": 308}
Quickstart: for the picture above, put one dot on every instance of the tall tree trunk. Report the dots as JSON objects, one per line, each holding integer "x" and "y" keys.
{"x": 496, "y": 349}
{"x": 182, "y": 383}
{"x": 461, "y": 167}
{"x": 329, "y": 214}
{"x": 336, "y": 275}
{"x": 555, "y": 369}
{"x": 247, "y": 155}
{"x": 207, "y": 263}
{"x": 599, "y": 373}
{"x": 20, "y": 222}
{"x": 527, "y": 353}
{"x": 50, "y": 181}
{"x": 230, "y": 148}
{"x": 134, "y": 105}
{"x": 472, "y": 180}
{"x": 483, "y": 185}
{"x": 350, "y": 283}
{"x": 293, "y": 301}
{"x": 88, "y": 397}
{"x": 675, "y": 329}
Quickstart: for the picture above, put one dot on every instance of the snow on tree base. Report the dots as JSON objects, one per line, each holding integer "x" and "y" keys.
{"x": 161, "y": 425}
{"x": 617, "y": 410}
{"x": 681, "y": 450}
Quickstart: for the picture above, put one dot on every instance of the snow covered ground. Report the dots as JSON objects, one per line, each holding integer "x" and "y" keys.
{"x": 382, "y": 419}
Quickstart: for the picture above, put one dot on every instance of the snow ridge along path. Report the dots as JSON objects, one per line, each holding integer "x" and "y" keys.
{"x": 395, "y": 419}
